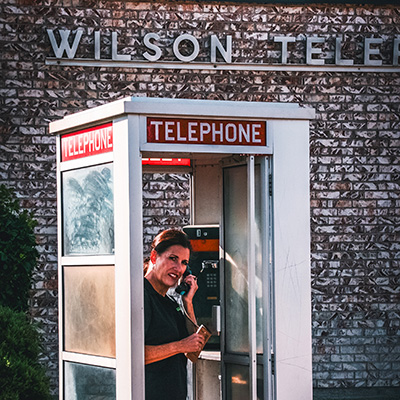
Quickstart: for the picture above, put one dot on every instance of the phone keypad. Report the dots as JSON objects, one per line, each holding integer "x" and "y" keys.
{"x": 211, "y": 280}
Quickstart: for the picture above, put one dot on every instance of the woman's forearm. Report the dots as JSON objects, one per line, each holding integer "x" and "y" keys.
{"x": 160, "y": 352}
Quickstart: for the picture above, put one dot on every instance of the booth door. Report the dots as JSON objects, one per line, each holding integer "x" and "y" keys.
{"x": 246, "y": 281}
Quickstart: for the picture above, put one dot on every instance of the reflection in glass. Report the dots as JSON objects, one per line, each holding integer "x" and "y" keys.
{"x": 260, "y": 382}
{"x": 236, "y": 278}
{"x": 89, "y": 310}
{"x": 84, "y": 382}
{"x": 258, "y": 259}
{"x": 238, "y": 382}
{"x": 88, "y": 210}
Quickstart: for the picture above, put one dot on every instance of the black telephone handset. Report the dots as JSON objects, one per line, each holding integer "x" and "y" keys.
{"x": 183, "y": 287}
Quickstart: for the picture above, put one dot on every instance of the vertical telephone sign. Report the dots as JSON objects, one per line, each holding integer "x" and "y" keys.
{"x": 87, "y": 142}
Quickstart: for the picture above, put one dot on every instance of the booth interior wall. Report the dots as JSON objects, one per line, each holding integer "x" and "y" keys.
{"x": 166, "y": 204}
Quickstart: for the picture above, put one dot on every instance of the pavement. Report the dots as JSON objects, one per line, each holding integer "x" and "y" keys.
{"x": 380, "y": 393}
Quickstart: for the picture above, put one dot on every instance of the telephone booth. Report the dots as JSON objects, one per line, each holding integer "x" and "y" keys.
{"x": 249, "y": 218}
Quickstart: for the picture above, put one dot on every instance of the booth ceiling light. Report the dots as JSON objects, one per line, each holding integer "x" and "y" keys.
{"x": 166, "y": 161}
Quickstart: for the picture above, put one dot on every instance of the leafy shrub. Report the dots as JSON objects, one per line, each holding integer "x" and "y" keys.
{"x": 21, "y": 375}
{"x": 18, "y": 253}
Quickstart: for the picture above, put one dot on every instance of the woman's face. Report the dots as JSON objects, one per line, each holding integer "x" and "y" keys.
{"x": 170, "y": 265}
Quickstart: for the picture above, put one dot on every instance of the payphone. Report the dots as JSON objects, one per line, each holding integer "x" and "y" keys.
{"x": 204, "y": 264}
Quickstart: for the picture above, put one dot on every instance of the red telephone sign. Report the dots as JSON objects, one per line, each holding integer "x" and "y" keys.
{"x": 201, "y": 131}
{"x": 87, "y": 142}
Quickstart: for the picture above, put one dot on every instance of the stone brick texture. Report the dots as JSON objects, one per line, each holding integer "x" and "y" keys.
{"x": 354, "y": 148}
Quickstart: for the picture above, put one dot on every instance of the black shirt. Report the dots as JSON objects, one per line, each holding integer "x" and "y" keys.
{"x": 164, "y": 323}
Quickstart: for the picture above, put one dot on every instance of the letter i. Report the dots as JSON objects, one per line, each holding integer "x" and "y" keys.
{"x": 97, "y": 45}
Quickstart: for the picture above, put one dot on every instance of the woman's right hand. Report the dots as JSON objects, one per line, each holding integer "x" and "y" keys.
{"x": 192, "y": 343}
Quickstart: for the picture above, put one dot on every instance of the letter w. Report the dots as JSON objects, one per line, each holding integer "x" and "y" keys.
{"x": 64, "y": 44}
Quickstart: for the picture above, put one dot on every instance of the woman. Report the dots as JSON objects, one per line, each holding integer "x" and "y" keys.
{"x": 166, "y": 335}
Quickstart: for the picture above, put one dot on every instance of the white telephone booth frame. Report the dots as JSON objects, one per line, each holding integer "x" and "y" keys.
{"x": 287, "y": 145}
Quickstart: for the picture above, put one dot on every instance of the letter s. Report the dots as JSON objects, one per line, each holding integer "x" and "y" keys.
{"x": 151, "y": 46}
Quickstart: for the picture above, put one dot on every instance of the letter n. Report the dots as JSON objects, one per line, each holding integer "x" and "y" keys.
{"x": 216, "y": 44}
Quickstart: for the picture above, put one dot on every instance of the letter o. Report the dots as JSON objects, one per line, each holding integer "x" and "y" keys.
{"x": 234, "y": 131}
{"x": 97, "y": 141}
{"x": 195, "y": 43}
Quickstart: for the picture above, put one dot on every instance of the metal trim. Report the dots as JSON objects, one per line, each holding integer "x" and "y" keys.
{"x": 87, "y": 62}
{"x": 89, "y": 360}
{"x": 252, "y": 276}
{"x": 87, "y": 161}
{"x": 81, "y": 260}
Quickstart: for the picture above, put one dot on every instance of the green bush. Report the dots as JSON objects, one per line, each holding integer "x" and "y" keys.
{"x": 18, "y": 253}
{"x": 21, "y": 375}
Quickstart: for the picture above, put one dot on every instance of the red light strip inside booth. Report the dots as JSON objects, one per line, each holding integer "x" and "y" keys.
{"x": 167, "y": 161}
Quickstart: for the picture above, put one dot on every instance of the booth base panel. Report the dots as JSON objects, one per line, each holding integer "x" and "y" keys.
{"x": 208, "y": 380}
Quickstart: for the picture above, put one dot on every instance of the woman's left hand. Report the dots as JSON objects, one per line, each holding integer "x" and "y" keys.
{"x": 187, "y": 299}
{"x": 191, "y": 280}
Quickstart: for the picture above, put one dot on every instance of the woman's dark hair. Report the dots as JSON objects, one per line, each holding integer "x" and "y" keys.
{"x": 168, "y": 238}
{"x": 146, "y": 263}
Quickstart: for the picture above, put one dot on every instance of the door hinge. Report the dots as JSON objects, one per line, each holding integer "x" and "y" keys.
{"x": 272, "y": 363}
{"x": 270, "y": 185}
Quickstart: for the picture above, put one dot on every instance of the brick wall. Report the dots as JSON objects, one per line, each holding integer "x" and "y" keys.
{"x": 166, "y": 204}
{"x": 355, "y": 142}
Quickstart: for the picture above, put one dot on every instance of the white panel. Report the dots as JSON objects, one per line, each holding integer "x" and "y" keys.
{"x": 86, "y": 161}
{"x": 252, "y": 276}
{"x": 291, "y": 204}
{"x": 60, "y": 280}
{"x": 205, "y": 149}
{"x": 88, "y": 260}
{"x": 159, "y": 106}
{"x": 89, "y": 360}
{"x": 128, "y": 260}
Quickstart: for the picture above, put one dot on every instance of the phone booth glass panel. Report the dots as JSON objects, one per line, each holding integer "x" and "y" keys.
{"x": 236, "y": 250}
{"x": 89, "y": 310}
{"x": 88, "y": 210}
{"x": 86, "y": 381}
